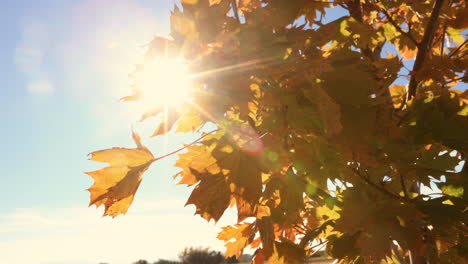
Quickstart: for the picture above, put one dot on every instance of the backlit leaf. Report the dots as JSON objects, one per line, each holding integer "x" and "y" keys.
{"x": 115, "y": 186}
{"x": 241, "y": 233}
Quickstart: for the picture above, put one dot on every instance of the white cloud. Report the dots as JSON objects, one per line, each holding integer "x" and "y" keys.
{"x": 64, "y": 235}
{"x": 29, "y": 57}
{"x": 40, "y": 87}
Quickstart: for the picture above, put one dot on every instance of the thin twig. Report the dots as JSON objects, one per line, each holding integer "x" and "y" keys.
{"x": 327, "y": 2}
{"x": 318, "y": 245}
{"x": 403, "y": 186}
{"x": 380, "y": 188}
{"x": 235, "y": 10}
{"x": 323, "y": 244}
{"x": 405, "y": 33}
{"x": 458, "y": 48}
{"x": 184, "y": 147}
{"x": 442, "y": 42}
{"x": 456, "y": 79}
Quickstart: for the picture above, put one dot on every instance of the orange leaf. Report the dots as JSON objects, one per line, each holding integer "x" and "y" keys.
{"x": 259, "y": 258}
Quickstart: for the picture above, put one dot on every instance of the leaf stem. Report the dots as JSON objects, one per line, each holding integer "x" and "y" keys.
{"x": 184, "y": 147}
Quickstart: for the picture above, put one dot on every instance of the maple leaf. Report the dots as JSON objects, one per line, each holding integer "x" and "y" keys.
{"x": 198, "y": 158}
{"x": 373, "y": 236}
{"x": 115, "y": 186}
{"x": 242, "y": 170}
{"x": 291, "y": 252}
{"x": 189, "y": 122}
{"x": 398, "y": 92}
{"x": 210, "y": 206}
{"x": 328, "y": 109}
{"x": 241, "y": 233}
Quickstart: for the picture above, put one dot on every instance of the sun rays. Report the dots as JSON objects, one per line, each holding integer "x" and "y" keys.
{"x": 164, "y": 82}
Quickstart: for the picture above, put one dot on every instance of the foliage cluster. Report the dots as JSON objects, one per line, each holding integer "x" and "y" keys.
{"x": 321, "y": 139}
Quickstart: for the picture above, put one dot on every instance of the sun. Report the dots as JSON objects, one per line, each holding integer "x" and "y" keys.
{"x": 165, "y": 82}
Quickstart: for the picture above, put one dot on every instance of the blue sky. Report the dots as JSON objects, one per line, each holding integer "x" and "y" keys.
{"x": 64, "y": 66}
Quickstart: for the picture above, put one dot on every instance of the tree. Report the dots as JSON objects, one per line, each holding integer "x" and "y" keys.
{"x": 201, "y": 256}
{"x": 141, "y": 261}
{"x": 322, "y": 138}
{"x": 163, "y": 261}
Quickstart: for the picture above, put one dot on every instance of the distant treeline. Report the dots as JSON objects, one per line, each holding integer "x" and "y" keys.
{"x": 199, "y": 255}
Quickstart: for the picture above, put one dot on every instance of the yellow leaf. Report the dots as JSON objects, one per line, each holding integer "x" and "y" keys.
{"x": 276, "y": 258}
{"x": 390, "y": 31}
{"x": 190, "y": 2}
{"x": 240, "y": 233}
{"x": 344, "y": 28}
{"x": 183, "y": 25}
{"x": 115, "y": 186}
{"x": 189, "y": 122}
{"x": 398, "y": 93}
{"x": 463, "y": 111}
{"x": 199, "y": 159}
{"x": 121, "y": 156}
{"x": 214, "y": 2}
{"x": 455, "y": 35}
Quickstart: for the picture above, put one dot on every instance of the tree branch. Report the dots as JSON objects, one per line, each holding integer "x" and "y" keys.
{"x": 235, "y": 10}
{"x": 380, "y": 188}
{"x": 423, "y": 48}
{"x": 394, "y": 24}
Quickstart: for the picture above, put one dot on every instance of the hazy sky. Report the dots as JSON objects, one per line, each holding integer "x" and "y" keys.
{"x": 64, "y": 65}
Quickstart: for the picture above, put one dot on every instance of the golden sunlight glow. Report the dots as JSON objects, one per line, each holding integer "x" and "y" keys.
{"x": 164, "y": 82}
